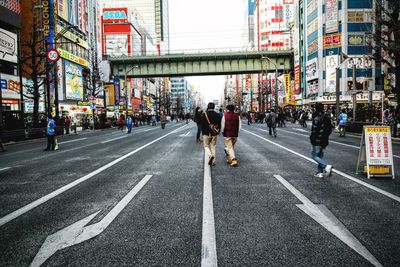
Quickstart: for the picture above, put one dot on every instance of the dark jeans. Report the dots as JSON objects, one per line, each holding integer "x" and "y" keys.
{"x": 51, "y": 142}
{"x": 198, "y": 132}
{"x": 163, "y": 125}
{"x": 318, "y": 155}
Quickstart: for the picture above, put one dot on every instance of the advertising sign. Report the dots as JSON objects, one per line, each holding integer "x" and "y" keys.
{"x": 312, "y": 69}
{"x": 331, "y": 16}
{"x": 82, "y": 15}
{"x": 296, "y": 80}
{"x": 13, "y": 5}
{"x": 48, "y": 20}
{"x": 109, "y": 88}
{"x": 312, "y": 26}
{"x": 312, "y": 47}
{"x": 60, "y": 79}
{"x": 62, "y": 9}
{"x": 73, "y": 12}
{"x": 8, "y": 46}
{"x": 117, "y": 44}
{"x": 10, "y": 86}
{"x": 333, "y": 41}
{"x": 111, "y": 15}
{"x": 356, "y": 39}
{"x": 360, "y": 62}
{"x": 287, "y": 86}
{"x": 376, "y": 147}
{"x": 71, "y": 57}
{"x": 331, "y": 62}
{"x": 117, "y": 89}
{"x": 359, "y": 16}
{"x": 73, "y": 81}
{"x": 312, "y": 88}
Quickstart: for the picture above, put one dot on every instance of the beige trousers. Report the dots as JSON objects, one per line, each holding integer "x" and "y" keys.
{"x": 210, "y": 141}
{"x": 230, "y": 145}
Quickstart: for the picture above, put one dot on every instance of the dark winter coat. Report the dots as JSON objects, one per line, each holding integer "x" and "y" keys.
{"x": 322, "y": 127}
{"x": 214, "y": 118}
{"x": 231, "y": 125}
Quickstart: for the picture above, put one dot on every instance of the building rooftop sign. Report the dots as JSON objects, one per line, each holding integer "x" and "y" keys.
{"x": 115, "y": 15}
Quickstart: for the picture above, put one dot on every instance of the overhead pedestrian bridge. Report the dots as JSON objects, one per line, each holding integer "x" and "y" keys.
{"x": 201, "y": 64}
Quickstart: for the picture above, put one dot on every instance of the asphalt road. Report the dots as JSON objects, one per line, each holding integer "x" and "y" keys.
{"x": 106, "y": 198}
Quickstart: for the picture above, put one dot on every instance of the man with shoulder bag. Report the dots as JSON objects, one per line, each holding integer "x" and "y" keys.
{"x": 210, "y": 127}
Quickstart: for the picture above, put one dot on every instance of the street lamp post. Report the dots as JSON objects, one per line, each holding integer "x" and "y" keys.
{"x": 126, "y": 87}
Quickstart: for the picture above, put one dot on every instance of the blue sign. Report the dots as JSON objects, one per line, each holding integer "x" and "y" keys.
{"x": 117, "y": 88}
{"x": 117, "y": 14}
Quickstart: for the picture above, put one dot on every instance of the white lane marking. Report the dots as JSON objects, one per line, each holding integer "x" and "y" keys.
{"x": 330, "y": 141}
{"x": 301, "y": 130}
{"x": 376, "y": 189}
{"x": 70, "y": 141}
{"x": 186, "y": 134}
{"x": 15, "y": 214}
{"x": 6, "y": 168}
{"x": 325, "y": 218}
{"x": 208, "y": 244}
{"x": 78, "y": 232}
{"x": 113, "y": 139}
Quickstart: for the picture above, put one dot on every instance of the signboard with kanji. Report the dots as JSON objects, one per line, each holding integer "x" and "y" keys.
{"x": 376, "y": 151}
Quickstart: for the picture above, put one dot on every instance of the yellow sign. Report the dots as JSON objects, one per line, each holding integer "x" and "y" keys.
{"x": 288, "y": 87}
{"x": 71, "y": 57}
{"x": 73, "y": 37}
{"x": 109, "y": 94}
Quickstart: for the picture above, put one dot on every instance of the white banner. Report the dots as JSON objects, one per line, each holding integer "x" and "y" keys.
{"x": 331, "y": 62}
{"x": 312, "y": 69}
{"x": 8, "y": 46}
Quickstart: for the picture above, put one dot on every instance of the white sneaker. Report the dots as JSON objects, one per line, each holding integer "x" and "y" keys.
{"x": 328, "y": 170}
{"x": 226, "y": 151}
{"x": 319, "y": 175}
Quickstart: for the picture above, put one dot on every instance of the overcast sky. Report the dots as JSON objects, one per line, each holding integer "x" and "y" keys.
{"x": 206, "y": 25}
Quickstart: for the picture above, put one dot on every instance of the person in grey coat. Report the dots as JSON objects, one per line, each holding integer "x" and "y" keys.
{"x": 270, "y": 119}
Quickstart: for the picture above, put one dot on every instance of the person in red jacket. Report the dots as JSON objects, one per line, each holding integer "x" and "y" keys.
{"x": 230, "y": 126}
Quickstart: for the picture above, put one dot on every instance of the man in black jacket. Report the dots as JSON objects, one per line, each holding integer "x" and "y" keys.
{"x": 210, "y": 119}
{"x": 322, "y": 127}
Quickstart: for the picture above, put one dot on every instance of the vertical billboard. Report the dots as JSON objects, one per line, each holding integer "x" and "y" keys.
{"x": 82, "y": 15}
{"x": 48, "y": 21}
{"x": 73, "y": 81}
{"x": 73, "y": 12}
{"x": 117, "y": 89}
{"x": 62, "y": 9}
{"x": 109, "y": 88}
{"x": 331, "y": 16}
{"x": 117, "y": 44}
{"x": 331, "y": 63}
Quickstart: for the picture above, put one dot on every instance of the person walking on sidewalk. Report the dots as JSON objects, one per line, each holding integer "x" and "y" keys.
{"x": 121, "y": 122}
{"x": 198, "y": 113}
{"x": 342, "y": 123}
{"x": 50, "y": 133}
{"x": 67, "y": 124}
{"x": 210, "y": 127}
{"x": 322, "y": 127}
{"x": 129, "y": 123}
{"x": 270, "y": 119}
{"x": 163, "y": 119}
{"x": 230, "y": 127}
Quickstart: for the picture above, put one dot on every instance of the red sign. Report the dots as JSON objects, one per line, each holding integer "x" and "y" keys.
{"x": 296, "y": 90}
{"x": 53, "y": 55}
{"x": 333, "y": 40}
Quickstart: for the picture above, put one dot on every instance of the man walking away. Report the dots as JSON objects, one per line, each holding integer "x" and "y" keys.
{"x": 50, "y": 133}
{"x": 163, "y": 119}
{"x": 270, "y": 119}
{"x": 230, "y": 126}
{"x": 197, "y": 119}
{"x": 342, "y": 123}
{"x": 322, "y": 127}
{"x": 210, "y": 125}
{"x": 67, "y": 124}
{"x": 129, "y": 123}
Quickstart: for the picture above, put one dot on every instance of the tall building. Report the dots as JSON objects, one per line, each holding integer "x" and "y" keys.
{"x": 10, "y": 97}
{"x": 153, "y": 16}
{"x": 329, "y": 28}
{"x": 179, "y": 95}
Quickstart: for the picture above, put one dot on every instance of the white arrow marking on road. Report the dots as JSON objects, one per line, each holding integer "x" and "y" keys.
{"x": 70, "y": 141}
{"x": 78, "y": 232}
{"x": 6, "y": 168}
{"x": 110, "y": 140}
{"x": 325, "y": 218}
{"x": 376, "y": 189}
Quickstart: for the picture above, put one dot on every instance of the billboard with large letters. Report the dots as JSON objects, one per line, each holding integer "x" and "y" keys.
{"x": 73, "y": 81}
